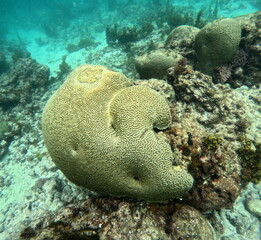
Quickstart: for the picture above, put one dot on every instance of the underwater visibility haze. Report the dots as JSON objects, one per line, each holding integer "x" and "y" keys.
{"x": 130, "y": 119}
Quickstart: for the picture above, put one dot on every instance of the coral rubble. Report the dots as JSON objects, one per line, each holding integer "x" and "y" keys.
{"x": 17, "y": 84}
{"x": 120, "y": 219}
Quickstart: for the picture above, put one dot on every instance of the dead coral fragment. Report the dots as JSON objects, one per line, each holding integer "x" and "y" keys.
{"x": 110, "y": 218}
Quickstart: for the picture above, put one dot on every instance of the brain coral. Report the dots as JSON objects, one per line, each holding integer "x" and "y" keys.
{"x": 156, "y": 63}
{"x": 99, "y": 131}
{"x": 217, "y": 43}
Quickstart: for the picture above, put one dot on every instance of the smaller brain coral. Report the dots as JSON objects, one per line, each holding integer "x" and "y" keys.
{"x": 155, "y": 64}
{"x": 216, "y": 44}
{"x": 99, "y": 130}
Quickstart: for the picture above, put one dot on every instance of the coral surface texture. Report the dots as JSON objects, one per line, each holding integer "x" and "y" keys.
{"x": 216, "y": 44}
{"x": 99, "y": 130}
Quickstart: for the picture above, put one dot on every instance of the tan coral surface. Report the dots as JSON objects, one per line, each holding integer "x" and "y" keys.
{"x": 99, "y": 130}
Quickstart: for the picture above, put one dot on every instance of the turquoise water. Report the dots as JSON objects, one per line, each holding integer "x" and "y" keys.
{"x": 29, "y": 25}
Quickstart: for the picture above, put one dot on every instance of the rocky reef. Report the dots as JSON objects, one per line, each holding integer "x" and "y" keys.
{"x": 214, "y": 134}
{"x": 17, "y": 84}
{"x": 121, "y": 219}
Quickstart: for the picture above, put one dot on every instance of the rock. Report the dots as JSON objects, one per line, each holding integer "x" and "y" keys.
{"x": 182, "y": 39}
{"x": 24, "y": 77}
{"x": 8, "y": 129}
{"x": 237, "y": 222}
{"x": 254, "y": 206}
{"x": 215, "y": 168}
{"x": 99, "y": 218}
{"x": 251, "y": 45}
{"x": 189, "y": 223}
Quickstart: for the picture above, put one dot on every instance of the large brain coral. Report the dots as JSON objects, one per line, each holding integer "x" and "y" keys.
{"x": 99, "y": 130}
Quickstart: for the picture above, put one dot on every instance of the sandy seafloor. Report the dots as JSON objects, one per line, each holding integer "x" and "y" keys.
{"x": 30, "y": 183}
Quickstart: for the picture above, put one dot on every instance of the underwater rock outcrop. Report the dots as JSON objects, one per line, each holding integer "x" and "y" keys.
{"x": 99, "y": 130}
{"x": 8, "y": 129}
{"x": 119, "y": 219}
{"x": 17, "y": 84}
{"x": 182, "y": 39}
{"x": 250, "y": 73}
{"x": 209, "y": 119}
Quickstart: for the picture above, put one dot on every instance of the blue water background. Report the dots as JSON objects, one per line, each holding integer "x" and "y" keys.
{"x": 56, "y": 15}
{"x": 44, "y": 29}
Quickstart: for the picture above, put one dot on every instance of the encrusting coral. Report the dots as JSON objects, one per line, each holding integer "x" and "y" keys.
{"x": 99, "y": 130}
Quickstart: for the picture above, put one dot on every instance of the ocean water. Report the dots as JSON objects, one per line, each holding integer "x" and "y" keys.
{"x": 37, "y": 26}
{"x": 62, "y": 34}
